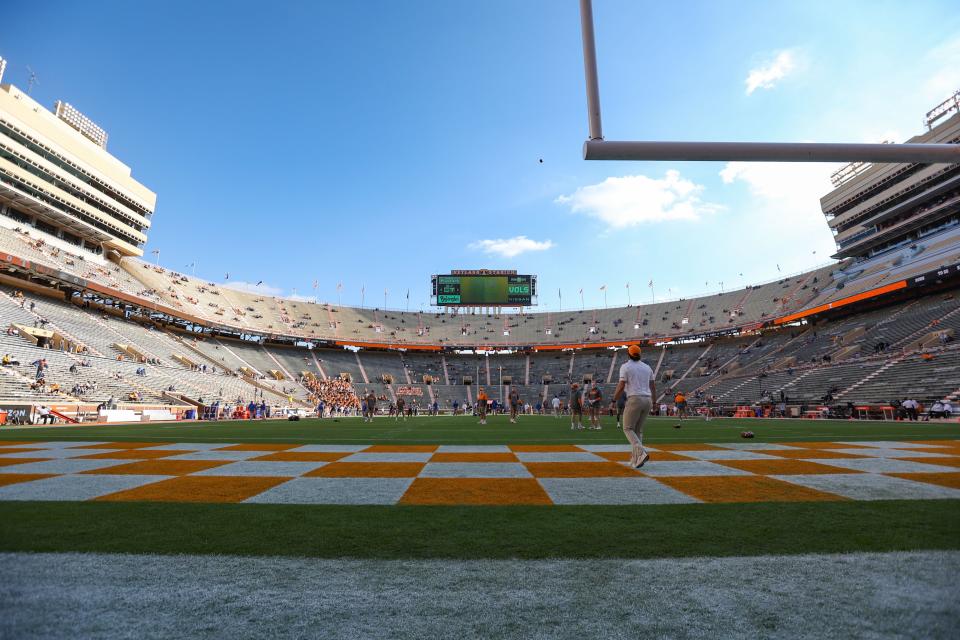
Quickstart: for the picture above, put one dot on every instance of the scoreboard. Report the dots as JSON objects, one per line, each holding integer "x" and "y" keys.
{"x": 484, "y": 288}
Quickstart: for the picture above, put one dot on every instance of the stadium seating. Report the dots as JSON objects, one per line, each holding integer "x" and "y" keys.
{"x": 863, "y": 357}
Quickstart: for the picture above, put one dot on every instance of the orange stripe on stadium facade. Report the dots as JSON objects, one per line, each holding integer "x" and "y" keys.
{"x": 872, "y": 293}
{"x": 585, "y": 345}
{"x": 388, "y": 345}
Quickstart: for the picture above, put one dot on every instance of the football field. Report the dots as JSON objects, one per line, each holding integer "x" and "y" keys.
{"x": 451, "y": 518}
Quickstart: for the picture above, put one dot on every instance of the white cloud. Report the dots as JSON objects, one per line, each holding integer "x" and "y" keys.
{"x": 628, "y": 201}
{"x": 510, "y": 247}
{"x": 767, "y": 75}
{"x": 784, "y": 210}
{"x": 251, "y": 287}
{"x": 795, "y": 185}
{"x": 944, "y": 60}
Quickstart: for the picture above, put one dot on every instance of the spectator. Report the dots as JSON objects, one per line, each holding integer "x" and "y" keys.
{"x": 909, "y": 409}
{"x": 43, "y": 414}
{"x": 336, "y": 394}
{"x": 936, "y": 410}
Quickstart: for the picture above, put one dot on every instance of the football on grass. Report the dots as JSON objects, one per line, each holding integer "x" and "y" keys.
{"x": 746, "y": 434}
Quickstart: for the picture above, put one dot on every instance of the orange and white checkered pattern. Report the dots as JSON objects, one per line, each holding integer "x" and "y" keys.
{"x": 478, "y": 475}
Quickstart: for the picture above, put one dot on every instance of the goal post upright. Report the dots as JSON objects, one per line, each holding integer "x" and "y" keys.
{"x": 596, "y": 148}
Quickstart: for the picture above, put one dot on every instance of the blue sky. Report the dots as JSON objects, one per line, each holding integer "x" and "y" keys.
{"x": 375, "y": 143}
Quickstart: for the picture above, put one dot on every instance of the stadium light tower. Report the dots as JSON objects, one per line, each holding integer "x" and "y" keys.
{"x": 31, "y": 80}
{"x": 596, "y": 148}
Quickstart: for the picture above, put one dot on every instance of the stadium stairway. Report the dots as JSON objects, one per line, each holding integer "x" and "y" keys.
{"x": 686, "y": 373}
{"x": 613, "y": 365}
{"x": 14, "y": 385}
{"x": 275, "y": 392}
{"x": 50, "y": 324}
{"x": 656, "y": 369}
{"x": 723, "y": 365}
{"x": 870, "y": 376}
{"x": 122, "y": 339}
{"x": 923, "y": 376}
{"x": 768, "y": 358}
{"x": 237, "y": 356}
{"x": 446, "y": 372}
{"x": 316, "y": 362}
{"x": 927, "y": 328}
{"x": 197, "y": 352}
{"x": 819, "y": 381}
{"x": 59, "y": 363}
{"x": 724, "y": 392}
{"x": 793, "y": 383}
{"x": 237, "y": 385}
{"x": 295, "y": 378}
{"x": 363, "y": 372}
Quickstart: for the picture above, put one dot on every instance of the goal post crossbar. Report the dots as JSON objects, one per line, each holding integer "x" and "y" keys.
{"x": 596, "y": 148}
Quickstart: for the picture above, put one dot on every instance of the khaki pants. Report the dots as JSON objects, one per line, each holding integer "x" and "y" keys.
{"x": 634, "y": 415}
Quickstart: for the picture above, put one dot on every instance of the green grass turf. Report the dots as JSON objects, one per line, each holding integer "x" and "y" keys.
{"x": 465, "y": 430}
{"x": 481, "y": 532}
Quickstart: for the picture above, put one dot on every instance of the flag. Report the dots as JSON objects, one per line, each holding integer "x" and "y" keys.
{"x": 778, "y": 267}
{"x": 581, "y": 291}
{"x": 628, "y": 285}
{"x": 559, "y": 295}
{"x": 339, "y": 286}
{"x": 363, "y": 289}
{"x": 408, "y": 294}
{"x": 226, "y": 276}
{"x": 316, "y": 283}
{"x": 259, "y": 283}
{"x": 603, "y": 287}
{"x": 650, "y": 284}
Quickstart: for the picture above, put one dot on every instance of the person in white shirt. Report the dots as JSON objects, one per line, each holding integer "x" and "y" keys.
{"x": 910, "y": 408}
{"x": 636, "y": 380}
{"x": 664, "y": 409}
{"x": 936, "y": 409}
{"x": 555, "y": 403}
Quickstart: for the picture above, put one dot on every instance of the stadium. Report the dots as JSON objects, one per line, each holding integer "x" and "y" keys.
{"x": 184, "y": 456}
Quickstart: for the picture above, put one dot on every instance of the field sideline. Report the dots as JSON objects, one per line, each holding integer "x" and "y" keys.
{"x": 465, "y": 430}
